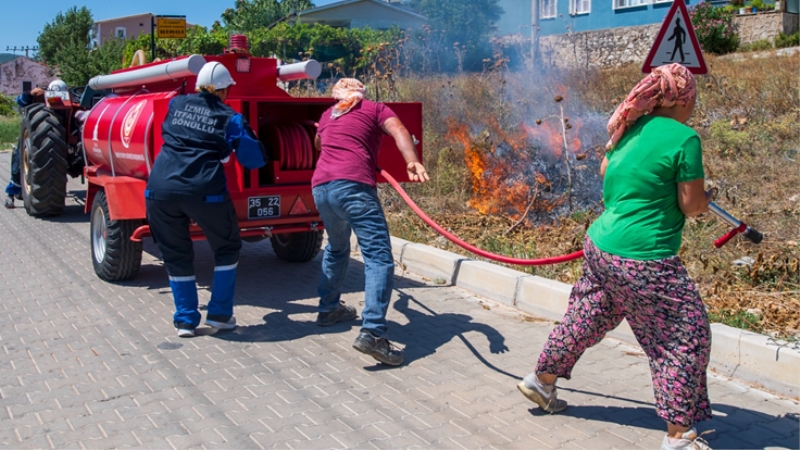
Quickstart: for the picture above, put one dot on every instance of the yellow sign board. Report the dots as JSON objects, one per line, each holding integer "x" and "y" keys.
{"x": 171, "y": 27}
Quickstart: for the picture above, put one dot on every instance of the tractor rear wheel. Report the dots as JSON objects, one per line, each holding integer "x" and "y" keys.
{"x": 115, "y": 256}
{"x": 297, "y": 247}
{"x": 43, "y": 163}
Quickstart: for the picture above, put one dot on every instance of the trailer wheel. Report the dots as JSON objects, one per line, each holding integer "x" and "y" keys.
{"x": 114, "y": 256}
{"x": 43, "y": 163}
{"x": 297, "y": 247}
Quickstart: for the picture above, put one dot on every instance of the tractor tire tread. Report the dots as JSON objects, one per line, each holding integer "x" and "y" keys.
{"x": 47, "y": 163}
{"x": 299, "y": 247}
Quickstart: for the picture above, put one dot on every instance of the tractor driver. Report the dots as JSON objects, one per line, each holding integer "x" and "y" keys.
{"x": 188, "y": 183}
{"x": 27, "y": 98}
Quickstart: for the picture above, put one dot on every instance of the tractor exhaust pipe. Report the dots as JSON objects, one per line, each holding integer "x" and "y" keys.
{"x": 180, "y": 68}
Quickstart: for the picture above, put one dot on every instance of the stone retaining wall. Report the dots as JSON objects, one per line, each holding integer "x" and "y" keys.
{"x": 766, "y": 25}
{"x": 616, "y": 46}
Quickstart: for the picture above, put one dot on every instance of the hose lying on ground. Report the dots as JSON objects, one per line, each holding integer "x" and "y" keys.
{"x": 738, "y": 227}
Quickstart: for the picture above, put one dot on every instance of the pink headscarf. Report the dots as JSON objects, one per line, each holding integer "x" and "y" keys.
{"x": 666, "y": 86}
{"x": 349, "y": 92}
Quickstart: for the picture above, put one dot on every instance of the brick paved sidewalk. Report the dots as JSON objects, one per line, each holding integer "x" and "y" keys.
{"x": 85, "y": 363}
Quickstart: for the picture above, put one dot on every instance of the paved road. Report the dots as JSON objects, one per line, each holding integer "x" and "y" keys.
{"x": 85, "y": 363}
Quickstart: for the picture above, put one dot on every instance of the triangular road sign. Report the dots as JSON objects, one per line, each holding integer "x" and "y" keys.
{"x": 676, "y": 43}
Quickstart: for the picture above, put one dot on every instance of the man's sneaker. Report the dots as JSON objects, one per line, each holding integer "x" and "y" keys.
{"x": 690, "y": 440}
{"x": 379, "y": 348}
{"x": 549, "y": 403}
{"x": 342, "y": 313}
{"x": 9, "y": 203}
{"x": 184, "y": 330}
{"x": 221, "y": 322}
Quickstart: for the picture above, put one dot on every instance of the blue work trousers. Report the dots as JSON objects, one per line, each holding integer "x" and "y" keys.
{"x": 344, "y": 206}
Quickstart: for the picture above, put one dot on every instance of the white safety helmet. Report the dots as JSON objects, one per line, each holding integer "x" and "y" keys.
{"x": 214, "y": 75}
{"x": 57, "y": 85}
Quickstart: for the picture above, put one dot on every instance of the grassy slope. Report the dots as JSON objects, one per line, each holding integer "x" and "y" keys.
{"x": 747, "y": 116}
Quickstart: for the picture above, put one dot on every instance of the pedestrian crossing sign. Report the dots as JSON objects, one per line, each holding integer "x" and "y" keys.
{"x": 676, "y": 43}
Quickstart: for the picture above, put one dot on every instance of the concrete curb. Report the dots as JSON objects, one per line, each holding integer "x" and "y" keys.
{"x": 735, "y": 353}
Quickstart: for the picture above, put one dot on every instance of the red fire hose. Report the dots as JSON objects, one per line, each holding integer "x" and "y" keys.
{"x": 471, "y": 248}
{"x": 739, "y": 227}
{"x": 298, "y": 153}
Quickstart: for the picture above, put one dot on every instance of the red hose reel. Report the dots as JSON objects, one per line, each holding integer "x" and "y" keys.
{"x": 295, "y": 148}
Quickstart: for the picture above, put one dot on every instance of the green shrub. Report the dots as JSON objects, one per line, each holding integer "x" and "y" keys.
{"x": 755, "y": 46}
{"x": 714, "y": 28}
{"x": 9, "y": 130}
{"x": 729, "y": 140}
{"x": 758, "y": 5}
{"x": 6, "y": 106}
{"x": 787, "y": 40}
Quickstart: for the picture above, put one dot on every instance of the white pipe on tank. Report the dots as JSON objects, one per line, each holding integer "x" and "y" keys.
{"x": 182, "y": 68}
{"x": 299, "y": 71}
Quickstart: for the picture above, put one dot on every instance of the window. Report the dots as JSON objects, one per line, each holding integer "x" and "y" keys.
{"x": 619, "y": 4}
{"x": 120, "y": 32}
{"x": 582, "y": 6}
{"x": 547, "y": 9}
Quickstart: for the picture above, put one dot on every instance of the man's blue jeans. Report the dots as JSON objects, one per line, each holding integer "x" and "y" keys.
{"x": 344, "y": 206}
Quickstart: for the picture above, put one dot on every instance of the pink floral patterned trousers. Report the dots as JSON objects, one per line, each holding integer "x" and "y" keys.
{"x": 665, "y": 312}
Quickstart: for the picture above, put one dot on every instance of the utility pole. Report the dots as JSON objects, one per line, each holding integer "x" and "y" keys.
{"x": 25, "y": 49}
{"x": 534, "y": 32}
{"x": 152, "y": 38}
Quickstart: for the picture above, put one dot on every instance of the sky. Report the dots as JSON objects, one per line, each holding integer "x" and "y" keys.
{"x": 22, "y": 21}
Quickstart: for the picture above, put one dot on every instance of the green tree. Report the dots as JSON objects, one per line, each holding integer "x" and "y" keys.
{"x": 65, "y": 33}
{"x": 250, "y": 15}
{"x": 65, "y": 43}
{"x": 465, "y": 22}
{"x": 198, "y": 40}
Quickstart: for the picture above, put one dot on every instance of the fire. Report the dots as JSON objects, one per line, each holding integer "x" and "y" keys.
{"x": 501, "y": 164}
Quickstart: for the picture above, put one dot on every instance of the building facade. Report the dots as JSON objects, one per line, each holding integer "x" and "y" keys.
{"x": 23, "y": 74}
{"x": 565, "y": 16}
{"x": 127, "y": 27}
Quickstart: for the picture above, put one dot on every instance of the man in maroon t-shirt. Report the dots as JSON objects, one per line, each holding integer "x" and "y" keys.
{"x": 349, "y": 137}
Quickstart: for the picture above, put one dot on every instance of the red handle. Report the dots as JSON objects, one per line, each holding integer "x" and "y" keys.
{"x": 729, "y": 235}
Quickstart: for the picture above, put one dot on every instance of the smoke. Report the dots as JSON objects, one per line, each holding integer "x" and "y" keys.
{"x": 533, "y": 149}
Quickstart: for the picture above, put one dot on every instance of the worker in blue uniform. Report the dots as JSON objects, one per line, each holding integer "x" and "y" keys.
{"x": 27, "y": 98}
{"x": 188, "y": 182}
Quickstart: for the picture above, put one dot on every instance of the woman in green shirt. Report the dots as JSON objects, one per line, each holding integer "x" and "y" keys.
{"x": 653, "y": 180}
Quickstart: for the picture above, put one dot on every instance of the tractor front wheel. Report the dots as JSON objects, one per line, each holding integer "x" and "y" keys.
{"x": 297, "y": 247}
{"x": 115, "y": 256}
{"x": 43, "y": 163}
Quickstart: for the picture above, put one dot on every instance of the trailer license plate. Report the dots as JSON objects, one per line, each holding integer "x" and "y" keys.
{"x": 262, "y": 207}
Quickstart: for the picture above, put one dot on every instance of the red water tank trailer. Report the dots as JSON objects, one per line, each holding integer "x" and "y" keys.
{"x": 121, "y": 138}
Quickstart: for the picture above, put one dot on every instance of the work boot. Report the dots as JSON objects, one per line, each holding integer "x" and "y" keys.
{"x": 379, "y": 348}
{"x": 342, "y": 313}
{"x": 9, "y": 203}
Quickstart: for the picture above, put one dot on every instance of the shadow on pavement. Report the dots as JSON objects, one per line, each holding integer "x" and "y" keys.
{"x": 424, "y": 333}
{"x": 728, "y": 423}
{"x": 421, "y": 341}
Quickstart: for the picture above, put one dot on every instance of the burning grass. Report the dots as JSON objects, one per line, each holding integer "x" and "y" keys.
{"x": 510, "y": 176}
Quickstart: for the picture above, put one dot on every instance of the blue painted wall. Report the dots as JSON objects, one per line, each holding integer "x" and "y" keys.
{"x": 517, "y": 17}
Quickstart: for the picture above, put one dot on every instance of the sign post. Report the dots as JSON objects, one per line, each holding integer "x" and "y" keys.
{"x": 676, "y": 43}
{"x": 168, "y": 27}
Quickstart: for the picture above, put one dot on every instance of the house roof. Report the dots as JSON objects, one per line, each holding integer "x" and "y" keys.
{"x": 342, "y": 3}
{"x": 114, "y": 19}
